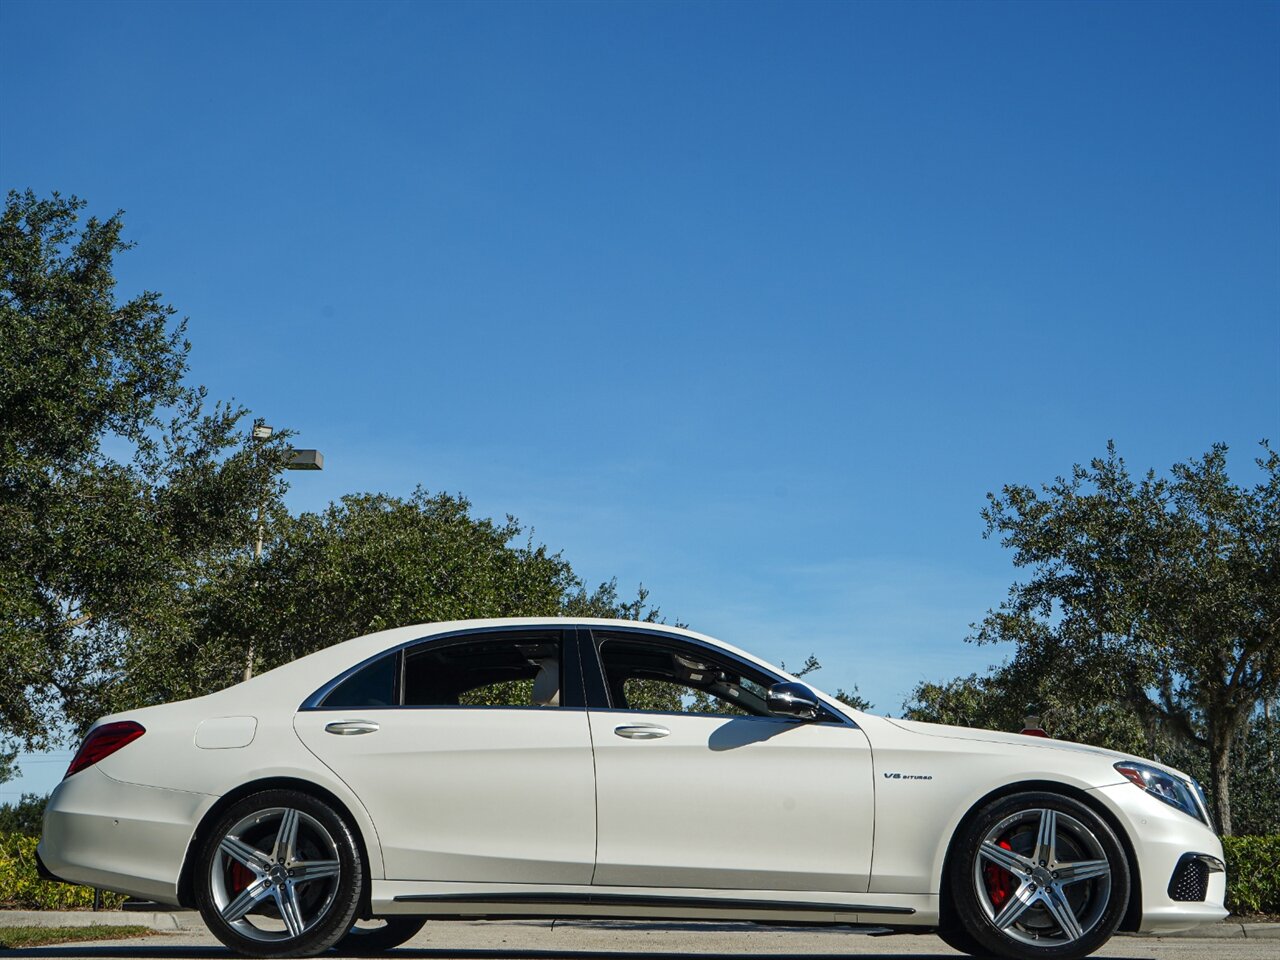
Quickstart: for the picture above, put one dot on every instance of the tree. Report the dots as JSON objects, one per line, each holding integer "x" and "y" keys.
{"x": 115, "y": 480}
{"x": 993, "y": 702}
{"x": 1161, "y": 594}
{"x": 24, "y": 817}
{"x": 367, "y": 563}
{"x": 127, "y": 511}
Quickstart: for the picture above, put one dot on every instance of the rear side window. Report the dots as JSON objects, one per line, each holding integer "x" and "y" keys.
{"x": 373, "y": 685}
{"x": 506, "y": 671}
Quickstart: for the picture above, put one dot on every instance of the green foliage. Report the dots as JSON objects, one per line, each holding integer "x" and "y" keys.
{"x": 1160, "y": 595}
{"x": 22, "y": 889}
{"x": 128, "y": 511}
{"x": 1253, "y": 874}
{"x": 996, "y": 702}
{"x": 24, "y": 817}
{"x": 116, "y": 482}
{"x": 14, "y": 938}
{"x": 367, "y": 563}
{"x": 1003, "y": 698}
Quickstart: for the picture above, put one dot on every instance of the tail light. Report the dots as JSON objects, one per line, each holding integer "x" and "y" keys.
{"x": 102, "y": 742}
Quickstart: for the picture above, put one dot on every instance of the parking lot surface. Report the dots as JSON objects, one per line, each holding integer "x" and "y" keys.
{"x": 614, "y": 940}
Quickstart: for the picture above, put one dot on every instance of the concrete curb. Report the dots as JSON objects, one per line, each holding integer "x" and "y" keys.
{"x": 165, "y": 921}
{"x": 1227, "y": 930}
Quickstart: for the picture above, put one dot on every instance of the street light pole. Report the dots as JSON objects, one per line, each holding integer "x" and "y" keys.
{"x": 298, "y": 460}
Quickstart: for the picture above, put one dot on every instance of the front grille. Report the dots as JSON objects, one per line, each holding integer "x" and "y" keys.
{"x": 1190, "y": 880}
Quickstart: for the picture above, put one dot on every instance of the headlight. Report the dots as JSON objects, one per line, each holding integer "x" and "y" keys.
{"x": 1184, "y": 794}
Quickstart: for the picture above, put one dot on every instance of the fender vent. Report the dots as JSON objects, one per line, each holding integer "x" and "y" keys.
{"x": 1190, "y": 880}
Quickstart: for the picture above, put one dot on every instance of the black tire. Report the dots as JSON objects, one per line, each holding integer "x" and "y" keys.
{"x": 1037, "y": 875}
{"x": 279, "y": 875}
{"x": 393, "y": 931}
{"x": 957, "y": 939}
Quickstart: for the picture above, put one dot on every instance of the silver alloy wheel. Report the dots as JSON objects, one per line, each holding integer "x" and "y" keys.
{"x": 1059, "y": 872}
{"x": 285, "y": 891}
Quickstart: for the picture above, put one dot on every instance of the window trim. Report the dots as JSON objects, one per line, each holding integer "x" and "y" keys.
{"x": 572, "y": 697}
{"x": 597, "y": 689}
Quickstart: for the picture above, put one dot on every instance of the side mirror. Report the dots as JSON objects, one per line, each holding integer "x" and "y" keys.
{"x": 792, "y": 700}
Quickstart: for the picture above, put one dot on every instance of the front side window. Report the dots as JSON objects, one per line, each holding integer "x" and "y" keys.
{"x": 501, "y": 671}
{"x": 656, "y": 676}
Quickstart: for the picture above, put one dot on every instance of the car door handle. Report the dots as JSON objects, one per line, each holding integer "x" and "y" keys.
{"x": 641, "y": 731}
{"x": 349, "y": 728}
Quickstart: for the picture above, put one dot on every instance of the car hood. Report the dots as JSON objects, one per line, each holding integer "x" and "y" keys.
{"x": 1020, "y": 740}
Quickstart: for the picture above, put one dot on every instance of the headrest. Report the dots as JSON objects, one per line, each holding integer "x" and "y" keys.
{"x": 546, "y": 685}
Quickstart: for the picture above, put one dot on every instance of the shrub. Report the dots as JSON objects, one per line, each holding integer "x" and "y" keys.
{"x": 22, "y": 889}
{"x": 1253, "y": 874}
{"x": 23, "y": 817}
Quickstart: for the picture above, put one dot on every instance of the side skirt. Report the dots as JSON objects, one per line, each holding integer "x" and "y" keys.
{"x": 509, "y": 901}
{"x": 649, "y": 902}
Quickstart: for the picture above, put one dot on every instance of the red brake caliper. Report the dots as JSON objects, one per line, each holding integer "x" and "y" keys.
{"x": 1000, "y": 882}
{"x": 240, "y": 876}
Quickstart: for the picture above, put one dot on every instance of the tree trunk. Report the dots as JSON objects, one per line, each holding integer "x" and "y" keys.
{"x": 1220, "y": 775}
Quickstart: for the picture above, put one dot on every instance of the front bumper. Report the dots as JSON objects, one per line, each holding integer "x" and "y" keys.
{"x": 1162, "y": 839}
{"x": 118, "y": 836}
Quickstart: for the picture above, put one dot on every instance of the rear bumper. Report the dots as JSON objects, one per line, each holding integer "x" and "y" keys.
{"x": 43, "y": 872}
{"x": 118, "y": 836}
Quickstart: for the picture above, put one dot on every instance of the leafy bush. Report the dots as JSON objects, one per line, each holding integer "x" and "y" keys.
{"x": 22, "y": 889}
{"x": 1253, "y": 874}
{"x": 23, "y": 817}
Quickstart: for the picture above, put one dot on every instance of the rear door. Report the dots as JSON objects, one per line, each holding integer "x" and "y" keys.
{"x": 472, "y": 755}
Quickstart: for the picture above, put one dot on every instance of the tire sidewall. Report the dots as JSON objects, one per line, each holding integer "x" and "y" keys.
{"x": 397, "y": 931}
{"x": 969, "y": 911}
{"x": 340, "y": 914}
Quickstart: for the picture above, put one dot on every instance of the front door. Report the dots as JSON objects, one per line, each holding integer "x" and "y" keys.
{"x": 698, "y": 786}
{"x": 471, "y": 763}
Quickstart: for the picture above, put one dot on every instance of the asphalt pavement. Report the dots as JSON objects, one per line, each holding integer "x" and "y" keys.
{"x": 622, "y": 940}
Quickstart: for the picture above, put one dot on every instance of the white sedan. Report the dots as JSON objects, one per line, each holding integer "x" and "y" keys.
{"x": 599, "y": 768}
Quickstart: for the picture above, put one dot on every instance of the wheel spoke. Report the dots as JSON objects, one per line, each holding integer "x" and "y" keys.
{"x": 251, "y": 857}
{"x": 1046, "y": 848}
{"x": 286, "y": 837}
{"x": 1016, "y": 907}
{"x": 1013, "y": 862}
{"x": 1056, "y": 901}
{"x": 304, "y": 870}
{"x": 248, "y": 898}
{"x": 290, "y": 911}
{"x": 1081, "y": 870}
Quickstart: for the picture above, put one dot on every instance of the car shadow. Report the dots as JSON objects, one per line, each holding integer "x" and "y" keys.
{"x": 740, "y": 731}
{"x": 411, "y": 953}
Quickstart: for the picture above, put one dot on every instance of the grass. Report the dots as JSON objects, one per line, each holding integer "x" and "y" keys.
{"x": 13, "y": 937}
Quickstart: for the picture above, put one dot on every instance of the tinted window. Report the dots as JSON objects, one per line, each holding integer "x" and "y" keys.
{"x": 648, "y": 675}
{"x": 370, "y": 686}
{"x": 514, "y": 670}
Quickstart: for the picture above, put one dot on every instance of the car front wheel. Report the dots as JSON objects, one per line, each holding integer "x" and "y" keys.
{"x": 1039, "y": 875}
{"x": 279, "y": 876}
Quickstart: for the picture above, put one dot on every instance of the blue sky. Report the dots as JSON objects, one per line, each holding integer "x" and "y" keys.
{"x": 750, "y": 302}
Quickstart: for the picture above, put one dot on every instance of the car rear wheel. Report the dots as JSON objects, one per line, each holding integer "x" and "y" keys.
{"x": 1039, "y": 875}
{"x": 279, "y": 876}
{"x": 380, "y": 935}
